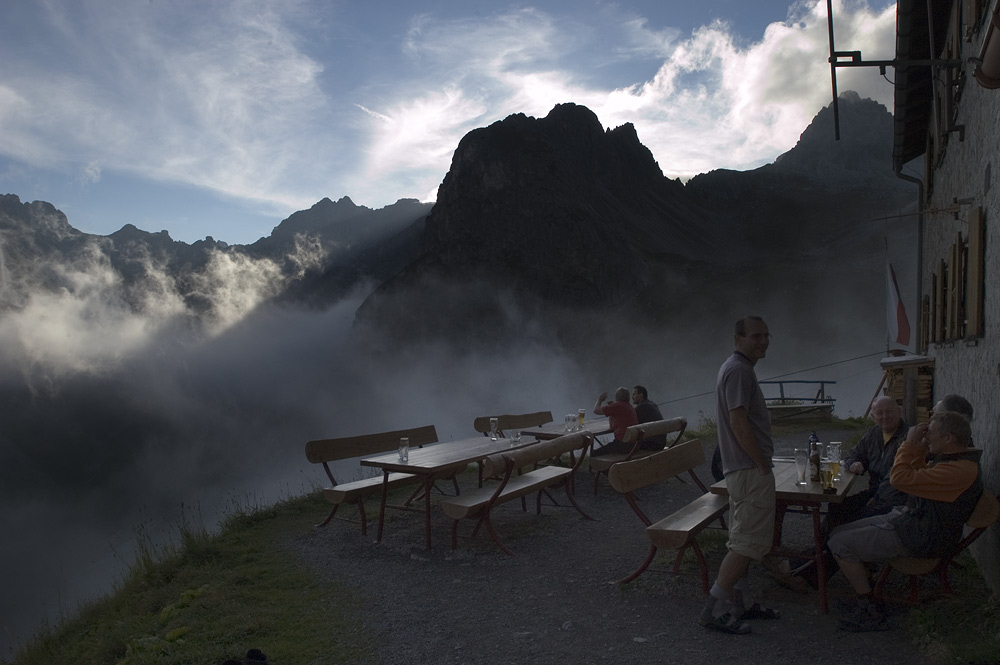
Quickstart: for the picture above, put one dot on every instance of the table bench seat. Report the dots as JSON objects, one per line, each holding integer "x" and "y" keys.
{"x": 635, "y": 435}
{"x": 471, "y": 503}
{"x": 359, "y": 489}
{"x": 677, "y": 531}
{"x": 513, "y": 485}
{"x": 324, "y": 451}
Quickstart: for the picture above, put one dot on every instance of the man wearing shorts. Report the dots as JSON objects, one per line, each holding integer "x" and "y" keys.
{"x": 938, "y": 469}
{"x": 746, "y": 449}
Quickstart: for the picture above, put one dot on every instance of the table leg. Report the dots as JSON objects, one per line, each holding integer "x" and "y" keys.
{"x": 381, "y": 507}
{"x": 820, "y": 559}
{"x": 427, "y": 508}
{"x": 779, "y": 522}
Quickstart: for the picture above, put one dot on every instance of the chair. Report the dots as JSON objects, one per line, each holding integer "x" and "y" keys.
{"x": 512, "y": 422}
{"x": 324, "y": 451}
{"x": 635, "y": 435}
{"x": 985, "y": 514}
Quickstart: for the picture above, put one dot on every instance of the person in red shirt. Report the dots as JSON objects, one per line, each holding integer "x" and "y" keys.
{"x": 621, "y": 415}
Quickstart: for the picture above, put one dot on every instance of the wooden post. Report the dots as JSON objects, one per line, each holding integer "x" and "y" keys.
{"x": 908, "y": 367}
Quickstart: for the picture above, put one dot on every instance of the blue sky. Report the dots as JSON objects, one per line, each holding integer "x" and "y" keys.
{"x": 221, "y": 118}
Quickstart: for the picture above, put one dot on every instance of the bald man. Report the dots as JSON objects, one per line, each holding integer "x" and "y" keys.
{"x": 874, "y": 455}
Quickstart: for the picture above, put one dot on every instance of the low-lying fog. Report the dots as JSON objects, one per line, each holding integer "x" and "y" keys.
{"x": 117, "y": 424}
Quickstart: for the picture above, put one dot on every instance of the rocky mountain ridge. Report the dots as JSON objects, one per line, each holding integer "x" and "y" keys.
{"x": 545, "y": 212}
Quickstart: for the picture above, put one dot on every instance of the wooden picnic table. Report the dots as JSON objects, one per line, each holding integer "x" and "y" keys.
{"x": 434, "y": 462}
{"x": 806, "y": 499}
{"x": 595, "y": 426}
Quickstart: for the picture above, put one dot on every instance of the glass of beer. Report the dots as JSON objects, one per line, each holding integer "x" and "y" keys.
{"x": 833, "y": 451}
{"x": 826, "y": 475}
{"x": 580, "y": 414}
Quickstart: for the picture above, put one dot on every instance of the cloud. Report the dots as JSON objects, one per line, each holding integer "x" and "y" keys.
{"x": 714, "y": 102}
{"x": 264, "y": 103}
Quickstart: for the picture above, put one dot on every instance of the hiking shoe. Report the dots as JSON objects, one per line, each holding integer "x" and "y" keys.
{"x": 727, "y": 623}
{"x": 862, "y": 616}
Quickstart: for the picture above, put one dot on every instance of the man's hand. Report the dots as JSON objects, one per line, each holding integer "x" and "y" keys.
{"x": 857, "y": 468}
{"x": 916, "y": 435}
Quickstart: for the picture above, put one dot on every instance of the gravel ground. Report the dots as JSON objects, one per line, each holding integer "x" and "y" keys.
{"x": 557, "y": 600}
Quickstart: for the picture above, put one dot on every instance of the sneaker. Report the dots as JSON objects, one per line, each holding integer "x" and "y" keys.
{"x": 862, "y": 617}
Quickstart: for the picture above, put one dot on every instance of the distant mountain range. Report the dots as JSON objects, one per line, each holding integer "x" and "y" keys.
{"x": 545, "y": 214}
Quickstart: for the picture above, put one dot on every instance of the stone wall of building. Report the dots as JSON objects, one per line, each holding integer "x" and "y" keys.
{"x": 970, "y": 170}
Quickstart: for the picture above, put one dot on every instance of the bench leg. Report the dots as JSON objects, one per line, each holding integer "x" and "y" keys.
{"x": 597, "y": 478}
{"x": 364, "y": 519}
{"x": 702, "y": 565}
{"x": 641, "y": 569}
{"x": 493, "y": 534}
{"x": 381, "y": 507}
{"x": 572, "y": 500}
{"x": 330, "y": 516}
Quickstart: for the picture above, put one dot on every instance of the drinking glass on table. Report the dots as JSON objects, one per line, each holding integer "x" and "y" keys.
{"x": 833, "y": 453}
{"x": 404, "y": 449}
{"x": 515, "y": 438}
{"x": 580, "y": 415}
{"x": 802, "y": 466}
{"x": 826, "y": 475}
{"x": 493, "y": 429}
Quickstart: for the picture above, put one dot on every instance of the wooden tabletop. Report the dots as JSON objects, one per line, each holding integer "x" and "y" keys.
{"x": 448, "y": 456}
{"x": 787, "y": 490}
{"x": 595, "y": 426}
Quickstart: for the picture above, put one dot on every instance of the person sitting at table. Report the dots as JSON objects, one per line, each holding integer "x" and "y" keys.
{"x": 621, "y": 416}
{"x": 956, "y": 403}
{"x": 647, "y": 412}
{"x": 942, "y": 494}
{"x": 874, "y": 455}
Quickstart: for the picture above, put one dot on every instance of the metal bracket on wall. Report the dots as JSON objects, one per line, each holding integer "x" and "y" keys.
{"x": 855, "y": 60}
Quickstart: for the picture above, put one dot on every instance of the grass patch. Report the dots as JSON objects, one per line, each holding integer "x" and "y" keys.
{"x": 213, "y": 598}
{"x": 962, "y": 628}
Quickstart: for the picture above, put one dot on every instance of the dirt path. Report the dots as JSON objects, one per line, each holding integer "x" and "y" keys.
{"x": 557, "y": 602}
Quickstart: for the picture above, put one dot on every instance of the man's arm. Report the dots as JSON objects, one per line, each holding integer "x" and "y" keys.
{"x": 942, "y": 482}
{"x": 856, "y": 460}
{"x": 740, "y": 423}
{"x": 598, "y": 405}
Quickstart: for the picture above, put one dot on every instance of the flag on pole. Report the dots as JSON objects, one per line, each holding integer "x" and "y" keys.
{"x": 899, "y": 325}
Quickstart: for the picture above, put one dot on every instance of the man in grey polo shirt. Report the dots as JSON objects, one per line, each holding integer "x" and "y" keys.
{"x": 746, "y": 447}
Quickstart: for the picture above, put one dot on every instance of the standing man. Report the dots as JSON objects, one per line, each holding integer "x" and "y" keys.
{"x": 647, "y": 412}
{"x": 746, "y": 449}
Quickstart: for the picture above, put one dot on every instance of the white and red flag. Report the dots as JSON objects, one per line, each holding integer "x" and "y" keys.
{"x": 899, "y": 325}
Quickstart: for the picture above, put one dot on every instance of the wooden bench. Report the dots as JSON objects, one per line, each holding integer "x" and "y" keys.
{"x": 985, "y": 514}
{"x": 635, "y": 435}
{"x": 324, "y": 451}
{"x": 511, "y": 422}
{"x": 679, "y": 530}
{"x": 479, "y": 503}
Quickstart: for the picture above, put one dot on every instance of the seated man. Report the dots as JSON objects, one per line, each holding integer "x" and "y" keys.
{"x": 955, "y": 403}
{"x": 647, "y": 412}
{"x": 621, "y": 416}
{"x": 874, "y": 455}
{"x": 942, "y": 495}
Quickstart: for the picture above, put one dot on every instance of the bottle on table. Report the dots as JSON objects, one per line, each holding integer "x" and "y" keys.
{"x": 814, "y": 457}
